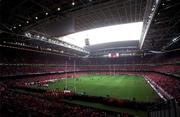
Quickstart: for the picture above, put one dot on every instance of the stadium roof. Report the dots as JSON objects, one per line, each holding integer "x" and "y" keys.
{"x": 113, "y": 45}
{"x": 58, "y": 18}
{"x": 164, "y": 31}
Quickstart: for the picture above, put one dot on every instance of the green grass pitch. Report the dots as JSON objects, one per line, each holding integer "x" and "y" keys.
{"x": 118, "y": 86}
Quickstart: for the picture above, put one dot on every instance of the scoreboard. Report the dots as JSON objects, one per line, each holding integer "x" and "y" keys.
{"x": 113, "y": 55}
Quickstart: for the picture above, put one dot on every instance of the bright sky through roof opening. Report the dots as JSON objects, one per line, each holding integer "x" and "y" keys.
{"x": 122, "y": 32}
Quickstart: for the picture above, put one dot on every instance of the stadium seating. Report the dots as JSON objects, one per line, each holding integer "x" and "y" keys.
{"x": 21, "y": 69}
{"x": 41, "y": 67}
{"x": 16, "y": 62}
{"x": 19, "y": 104}
{"x": 170, "y": 85}
{"x": 171, "y": 68}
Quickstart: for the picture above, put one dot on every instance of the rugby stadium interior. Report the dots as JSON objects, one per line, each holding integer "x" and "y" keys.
{"x": 89, "y": 58}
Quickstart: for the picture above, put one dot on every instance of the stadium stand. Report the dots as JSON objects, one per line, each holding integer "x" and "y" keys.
{"x": 168, "y": 86}
{"x": 34, "y": 54}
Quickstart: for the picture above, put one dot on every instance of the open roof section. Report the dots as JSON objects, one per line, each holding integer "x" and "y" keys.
{"x": 115, "y": 33}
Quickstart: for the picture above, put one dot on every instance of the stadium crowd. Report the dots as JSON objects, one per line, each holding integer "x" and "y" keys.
{"x": 40, "y": 68}
{"x": 167, "y": 83}
{"x": 16, "y": 62}
{"x": 10, "y": 70}
{"x": 18, "y": 104}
